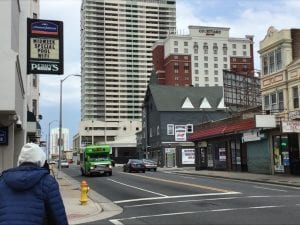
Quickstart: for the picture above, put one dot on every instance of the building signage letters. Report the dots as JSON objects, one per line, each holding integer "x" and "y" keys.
{"x": 209, "y": 32}
{"x": 44, "y": 47}
{"x": 290, "y": 126}
{"x": 3, "y": 136}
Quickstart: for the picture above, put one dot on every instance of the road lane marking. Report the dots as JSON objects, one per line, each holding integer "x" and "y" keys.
{"x": 174, "y": 196}
{"x": 185, "y": 184}
{"x": 117, "y": 221}
{"x": 210, "y": 199}
{"x": 271, "y": 189}
{"x": 141, "y": 189}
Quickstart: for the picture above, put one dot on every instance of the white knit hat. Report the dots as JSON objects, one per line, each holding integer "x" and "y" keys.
{"x": 32, "y": 153}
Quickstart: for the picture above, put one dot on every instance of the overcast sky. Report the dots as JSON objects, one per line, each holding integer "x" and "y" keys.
{"x": 243, "y": 17}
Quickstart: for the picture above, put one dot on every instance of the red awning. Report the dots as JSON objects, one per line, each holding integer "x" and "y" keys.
{"x": 238, "y": 126}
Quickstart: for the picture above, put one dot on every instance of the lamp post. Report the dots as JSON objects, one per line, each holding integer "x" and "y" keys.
{"x": 48, "y": 151}
{"x": 60, "y": 121}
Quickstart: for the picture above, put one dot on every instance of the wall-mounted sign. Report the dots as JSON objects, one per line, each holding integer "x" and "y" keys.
{"x": 292, "y": 126}
{"x": 3, "y": 136}
{"x": 180, "y": 133}
{"x": 209, "y": 32}
{"x": 188, "y": 156}
{"x": 45, "y": 47}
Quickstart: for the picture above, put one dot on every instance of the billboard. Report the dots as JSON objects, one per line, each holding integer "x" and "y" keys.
{"x": 45, "y": 47}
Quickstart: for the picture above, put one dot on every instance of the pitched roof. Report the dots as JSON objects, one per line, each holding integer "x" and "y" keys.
{"x": 172, "y": 98}
{"x": 226, "y": 128}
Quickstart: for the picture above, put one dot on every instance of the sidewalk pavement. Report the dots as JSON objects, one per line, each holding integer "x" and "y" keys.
{"x": 99, "y": 207}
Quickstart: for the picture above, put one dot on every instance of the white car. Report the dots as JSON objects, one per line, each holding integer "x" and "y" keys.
{"x": 64, "y": 164}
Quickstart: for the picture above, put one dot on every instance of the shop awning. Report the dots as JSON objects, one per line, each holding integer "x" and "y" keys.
{"x": 223, "y": 129}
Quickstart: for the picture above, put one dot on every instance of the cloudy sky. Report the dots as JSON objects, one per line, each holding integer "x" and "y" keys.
{"x": 243, "y": 17}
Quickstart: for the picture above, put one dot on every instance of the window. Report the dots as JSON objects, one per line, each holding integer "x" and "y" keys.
{"x": 234, "y": 53}
{"x": 196, "y": 78}
{"x": 195, "y": 50}
{"x": 215, "y": 65}
{"x": 280, "y": 101}
{"x": 225, "y": 59}
{"x": 244, "y": 53}
{"x": 186, "y": 43}
{"x": 206, "y": 79}
{"x": 196, "y": 72}
{"x": 271, "y": 62}
{"x": 157, "y": 130}
{"x": 216, "y": 72}
{"x": 170, "y": 129}
{"x": 205, "y": 65}
{"x": 267, "y": 102}
{"x": 186, "y": 51}
{"x": 176, "y": 50}
{"x": 216, "y": 79}
{"x": 265, "y": 64}
{"x": 186, "y": 57}
{"x": 189, "y": 128}
{"x": 205, "y": 58}
{"x": 175, "y": 43}
{"x": 234, "y": 46}
{"x": 34, "y": 80}
{"x": 278, "y": 59}
{"x": 225, "y": 66}
{"x": 175, "y": 56}
{"x": 295, "y": 97}
{"x": 195, "y": 57}
{"x": 34, "y": 106}
{"x": 215, "y": 58}
{"x": 196, "y": 64}
{"x": 273, "y": 101}
{"x": 150, "y": 132}
{"x": 206, "y": 72}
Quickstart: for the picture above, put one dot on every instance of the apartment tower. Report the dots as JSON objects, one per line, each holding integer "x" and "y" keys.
{"x": 116, "y": 56}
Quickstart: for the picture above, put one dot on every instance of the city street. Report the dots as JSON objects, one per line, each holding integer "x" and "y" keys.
{"x": 164, "y": 197}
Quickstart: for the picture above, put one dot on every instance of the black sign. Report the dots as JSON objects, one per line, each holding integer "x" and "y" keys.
{"x": 3, "y": 136}
{"x": 45, "y": 47}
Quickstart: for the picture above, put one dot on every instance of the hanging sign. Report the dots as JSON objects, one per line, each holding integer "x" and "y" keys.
{"x": 44, "y": 47}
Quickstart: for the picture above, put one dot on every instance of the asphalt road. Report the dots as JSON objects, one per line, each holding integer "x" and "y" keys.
{"x": 168, "y": 198}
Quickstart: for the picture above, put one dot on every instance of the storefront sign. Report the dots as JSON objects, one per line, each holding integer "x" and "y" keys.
{"x": 222, "y": 154}
{"x": 294, "y": 115}
{"x": 44, "y": 46}
{"x": 292, "y": 126}
{"x": 180, "y": 133}
{"x": 188, "y": 156}
{"x": 3, "y": 136}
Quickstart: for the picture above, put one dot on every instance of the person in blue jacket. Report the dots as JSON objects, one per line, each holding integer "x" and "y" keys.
{"x": 29, "y": 195}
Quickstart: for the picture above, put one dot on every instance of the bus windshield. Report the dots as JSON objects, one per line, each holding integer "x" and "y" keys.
{"x": 98, "y": 157}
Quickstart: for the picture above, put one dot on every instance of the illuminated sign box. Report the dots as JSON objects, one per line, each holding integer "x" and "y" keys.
{"x": 45, "y": 47}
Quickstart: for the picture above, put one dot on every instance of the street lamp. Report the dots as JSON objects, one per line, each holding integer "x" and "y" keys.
{"x": 60, "y": 120}
{"x": 48, "y": 151}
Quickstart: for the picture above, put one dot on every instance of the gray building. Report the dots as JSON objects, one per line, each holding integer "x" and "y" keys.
{"x": 169, "y": 116}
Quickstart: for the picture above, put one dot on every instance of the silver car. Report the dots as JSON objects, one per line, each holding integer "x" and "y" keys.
{"x": 150, "y": 164}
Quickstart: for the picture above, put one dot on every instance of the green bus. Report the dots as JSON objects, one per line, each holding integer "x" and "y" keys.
{"x": 95, "y": 160}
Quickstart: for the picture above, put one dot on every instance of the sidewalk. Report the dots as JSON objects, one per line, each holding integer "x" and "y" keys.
{"x": 99, "y": 207}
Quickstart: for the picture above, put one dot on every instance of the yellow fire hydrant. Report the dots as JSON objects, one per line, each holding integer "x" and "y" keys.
{"x": 84, "y": 189}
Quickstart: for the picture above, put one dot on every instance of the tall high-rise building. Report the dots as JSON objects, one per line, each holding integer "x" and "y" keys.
{"x": 54, "y": 137}
{"x": 116, "y": 58}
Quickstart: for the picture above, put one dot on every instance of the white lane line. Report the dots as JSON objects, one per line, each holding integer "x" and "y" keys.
{"x": 174, "y": 196}
{"x": 271, "y": 189}
{"x": 195, "y": 212}
{"x": 116, "y": 222}
{"x": 141, "y": 189}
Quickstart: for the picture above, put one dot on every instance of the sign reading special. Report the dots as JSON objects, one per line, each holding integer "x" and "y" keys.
{"x": 44, "y": 47}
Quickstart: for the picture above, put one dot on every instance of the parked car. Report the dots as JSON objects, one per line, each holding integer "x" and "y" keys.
{"x": 64, "y": 164}
{"x": 150, "y": 164}
{"x": 134, "y": 165}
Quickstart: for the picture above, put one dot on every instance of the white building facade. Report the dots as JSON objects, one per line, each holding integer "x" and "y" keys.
{"x": 211, "y": 50}
{"x": 19, "y": 91}
{"x": 54, "y": 137}
{"x": 116, "y": 41}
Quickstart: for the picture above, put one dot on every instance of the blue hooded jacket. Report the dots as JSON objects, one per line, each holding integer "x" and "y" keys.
{"x": 29, "y": 195}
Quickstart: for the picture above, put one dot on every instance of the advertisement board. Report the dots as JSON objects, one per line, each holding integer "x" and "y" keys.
{"x": 180, "y": 133}
{"x": 45, "y": 47}
{"x": 188, "y": 156}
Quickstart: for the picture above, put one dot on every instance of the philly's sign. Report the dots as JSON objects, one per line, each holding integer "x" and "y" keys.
{"x": 45, "y": 47}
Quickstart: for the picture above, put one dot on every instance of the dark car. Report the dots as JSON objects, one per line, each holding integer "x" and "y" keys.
{"x": 134, "y": 165}
{"x": 150, "y": 164}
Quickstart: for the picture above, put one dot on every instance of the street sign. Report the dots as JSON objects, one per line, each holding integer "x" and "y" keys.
{"x": 45, "y": 47}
